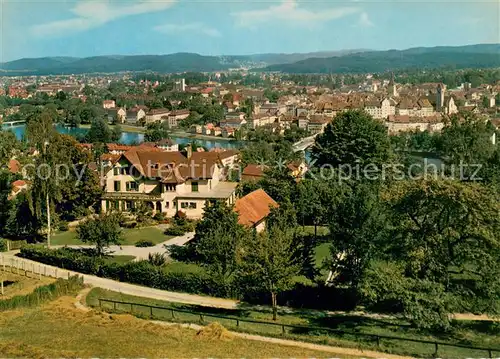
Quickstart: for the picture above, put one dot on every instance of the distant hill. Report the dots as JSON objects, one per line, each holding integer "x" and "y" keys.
{"x": 274, "y": 59}
{"x": 316, "y": 62}
{"x": 179, "y": 62}
{"x": 477, "y": 56}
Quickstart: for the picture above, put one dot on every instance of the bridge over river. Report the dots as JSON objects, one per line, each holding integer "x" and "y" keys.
{"x": 304, "y": 144}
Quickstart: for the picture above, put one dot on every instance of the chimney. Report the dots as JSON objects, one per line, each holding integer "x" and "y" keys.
{"x": 189, "y": 151}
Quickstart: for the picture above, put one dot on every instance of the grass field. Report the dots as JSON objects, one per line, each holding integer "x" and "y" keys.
{"x": 131, "y": 236}
{"x": 59, "y": 330}
{"x": 20, "y": 284}
{"x": 482, "y": 334}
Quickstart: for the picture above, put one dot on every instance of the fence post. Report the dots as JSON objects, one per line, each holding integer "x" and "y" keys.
{"x": 283, "y": 329}
{"x": 100, "y": 304}
{"x": 490, "y": 354}
{"x": 378, "y": 341}
{"x": 237, "y": 322}
{"x": 173, "y": 316}
{"x": 39, "y": 272}
{"x": 151, "y": 312}
{"x": 201, "y": 318}
{"x": 131, "y": 308}
{"x": 17, "y": 266}
{"x": 436, "y": 349}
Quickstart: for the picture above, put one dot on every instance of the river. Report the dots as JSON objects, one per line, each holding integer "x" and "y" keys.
{"x": 133, "y": 137}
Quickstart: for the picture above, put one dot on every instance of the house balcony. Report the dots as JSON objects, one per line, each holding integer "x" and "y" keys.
{"x": 132, "y": 196}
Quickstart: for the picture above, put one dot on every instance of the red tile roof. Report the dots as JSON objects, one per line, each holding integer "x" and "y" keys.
{"x": 14, "y": 166}
{"x": 254, "y": 207}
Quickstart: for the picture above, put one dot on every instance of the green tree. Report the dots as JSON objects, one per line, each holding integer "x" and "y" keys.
{"x": 102, "y": 232}
{"x": 447, "y": 232}
{"x": 268, "y": 261}
{"x": 8, "y": 145}
{"x": 357, "y": 231}
{"x": 156, "y": 132}
{"x": 218, "y": 240}
{"x": 41, "y": 133}
{"x": 466, "y": 140}
{"x": 352, "y": 138}
{"x": 99, "y": 132}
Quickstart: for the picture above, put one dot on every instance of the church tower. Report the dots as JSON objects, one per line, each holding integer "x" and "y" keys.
{"x": 392, "y": 89}
{"x": 441, "y": 89}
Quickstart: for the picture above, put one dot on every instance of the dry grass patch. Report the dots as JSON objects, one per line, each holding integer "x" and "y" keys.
{"x": 20, "y": 284}
{"x": 58, "y": 329}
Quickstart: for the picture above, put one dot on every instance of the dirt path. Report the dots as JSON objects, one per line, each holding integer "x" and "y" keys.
{"x": 80, "y": 304}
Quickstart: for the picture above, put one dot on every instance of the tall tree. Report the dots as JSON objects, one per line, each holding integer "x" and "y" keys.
{"x": 466, "y": 140}
{"x": 357, "y": 229}
{"x": 218, "y": 241}
{"x": 268, "y": 261}
{"x": 352, "y": 138}
{"x": 40, "y": 133}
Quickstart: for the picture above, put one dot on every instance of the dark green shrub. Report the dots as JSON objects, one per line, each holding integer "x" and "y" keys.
{"x": 140, "y": 272}
{"x": 63, "y": 226}
{"x": 144, "y": 243}
{"x": 175, "y": 231}
{"x": 3, "y": 245}
{"x": 157, "y": 259}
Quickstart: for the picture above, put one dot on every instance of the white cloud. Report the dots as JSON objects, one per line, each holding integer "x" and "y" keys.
{"x": 194, "y": 27}
{"x": 91, "y": 14}
{"x": 364, "y": 20}
{"x": 289, "y": 10}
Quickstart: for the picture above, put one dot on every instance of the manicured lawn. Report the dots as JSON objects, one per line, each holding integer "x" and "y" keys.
{"x": 321, "y": 252}
{"x": 131, "y": 236}
{"x": 470, "y": 333}
{"x": 321, "y": 230}
{"x": 59, "y": 330}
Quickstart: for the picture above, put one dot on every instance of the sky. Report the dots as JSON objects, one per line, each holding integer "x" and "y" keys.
{"x": 81, "y": 28}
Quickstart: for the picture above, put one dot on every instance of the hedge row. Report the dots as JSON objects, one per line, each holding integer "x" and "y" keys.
{"x": 44, "y": 293}
{"x": 140, "y": 272}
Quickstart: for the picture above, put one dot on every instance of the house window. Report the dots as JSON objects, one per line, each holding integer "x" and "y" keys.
{"x": 117, "y": 186}
{"x": 194, "y": 186}
{"x": 167, "y": 205}
{"x": 188, "y": 205}
{"x": 170, "y": 187}
{"x": 132, "y": 186}
{"x": 116, "y": 171}
{"x": 124, "y": 170}
{"x": 116, "y": 205}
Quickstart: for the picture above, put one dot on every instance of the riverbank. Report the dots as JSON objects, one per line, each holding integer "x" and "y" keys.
{"x": 175, "y": 133}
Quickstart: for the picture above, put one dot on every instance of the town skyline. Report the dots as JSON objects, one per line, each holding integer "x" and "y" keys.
{"x": 70, "y": 28}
